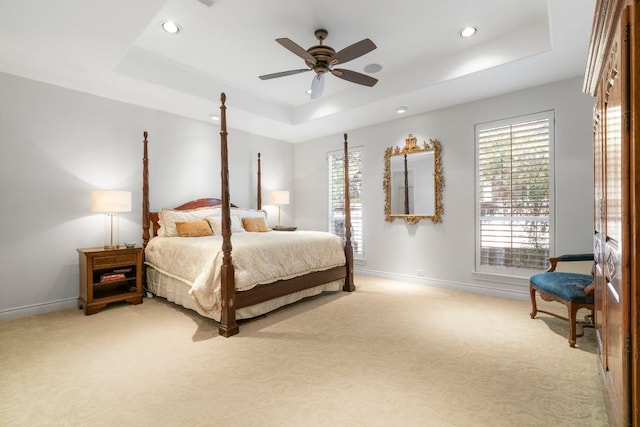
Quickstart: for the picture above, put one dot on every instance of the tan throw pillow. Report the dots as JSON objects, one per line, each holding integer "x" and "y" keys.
{"x": 255, "y": 224}
{"x": 194, "y": 228}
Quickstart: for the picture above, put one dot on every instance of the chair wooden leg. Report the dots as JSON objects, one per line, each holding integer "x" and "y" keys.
{"x": 573, "y": 310}
{"x": 534, "y": 307}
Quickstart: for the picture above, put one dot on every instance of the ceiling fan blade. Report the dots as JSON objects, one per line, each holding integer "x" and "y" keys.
{"x": 317, "y": 85}
{"x": 297, "y": 49}
{"x": 283, "y": 74}
{"x": 354, "y": 77}
{"x": 352, "y": 52}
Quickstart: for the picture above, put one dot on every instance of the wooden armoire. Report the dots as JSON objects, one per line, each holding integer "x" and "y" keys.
{"x": 613, "y": 78}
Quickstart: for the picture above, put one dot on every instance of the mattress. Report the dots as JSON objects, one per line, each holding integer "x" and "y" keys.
{"x": 186, "y": 270}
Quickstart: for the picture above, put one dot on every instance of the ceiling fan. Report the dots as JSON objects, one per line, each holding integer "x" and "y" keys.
{"x": 321, "y": 59}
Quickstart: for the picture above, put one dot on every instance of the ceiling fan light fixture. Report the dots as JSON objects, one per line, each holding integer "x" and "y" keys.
{"x": 317, "y": 86}
{"x": 171, "y": 27}
{"x": 467, "y": 32}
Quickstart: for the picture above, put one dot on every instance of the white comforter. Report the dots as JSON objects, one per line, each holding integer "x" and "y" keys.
{"x": 258, "y": 258}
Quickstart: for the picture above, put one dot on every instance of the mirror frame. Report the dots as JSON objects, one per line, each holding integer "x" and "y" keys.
{"x": 411, "y": 146}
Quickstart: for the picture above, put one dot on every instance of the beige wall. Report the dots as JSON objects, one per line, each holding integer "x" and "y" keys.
{"x": 446, "y": 251}
{"x": 58, "y": 145}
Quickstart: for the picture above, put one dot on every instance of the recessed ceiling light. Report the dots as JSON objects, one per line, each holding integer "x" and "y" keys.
{"x": 372, "y": 68}
{"x": 308, "y": 91}
{"x": 171, "y": 27}
{"x": 214, "y": 117}
{"x": 467, "y": 32}
{"x": 401, "y": 110}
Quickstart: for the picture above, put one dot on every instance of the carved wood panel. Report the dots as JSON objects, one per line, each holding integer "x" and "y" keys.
{"x": 612, "y": 229}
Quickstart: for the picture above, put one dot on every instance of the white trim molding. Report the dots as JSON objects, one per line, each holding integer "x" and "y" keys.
{"x": 496, "y": 288}
{"x": 45, "y": 307}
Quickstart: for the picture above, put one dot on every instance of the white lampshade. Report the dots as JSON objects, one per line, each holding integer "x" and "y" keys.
{"x": 279, "y": 197}
{"x": 110, "y": 201}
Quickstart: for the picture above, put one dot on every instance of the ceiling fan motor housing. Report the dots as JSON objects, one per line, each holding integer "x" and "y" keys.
{"x": 322, "y": 54}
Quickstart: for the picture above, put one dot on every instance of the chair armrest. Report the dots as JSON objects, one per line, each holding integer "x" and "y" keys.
{"x": 553, "y": 262}
{"x": 575, "y": 263}
{"x": 576, "y": 257}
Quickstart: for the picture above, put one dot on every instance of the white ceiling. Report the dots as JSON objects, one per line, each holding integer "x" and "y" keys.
{"x": 117, "y": 49}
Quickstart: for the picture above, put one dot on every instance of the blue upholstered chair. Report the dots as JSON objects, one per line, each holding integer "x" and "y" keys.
{"x": 563, "y": 284}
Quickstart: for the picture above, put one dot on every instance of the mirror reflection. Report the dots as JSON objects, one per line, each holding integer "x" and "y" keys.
{"x": 413, "y": 182}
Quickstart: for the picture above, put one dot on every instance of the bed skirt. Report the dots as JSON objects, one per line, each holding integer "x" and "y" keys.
{"x": 177, "y": 292}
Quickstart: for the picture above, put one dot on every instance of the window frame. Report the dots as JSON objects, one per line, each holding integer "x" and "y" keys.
{"x": 514, "y": 121}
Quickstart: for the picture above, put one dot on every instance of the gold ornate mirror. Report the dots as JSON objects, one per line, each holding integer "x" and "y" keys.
{"x": 413, "y": 182}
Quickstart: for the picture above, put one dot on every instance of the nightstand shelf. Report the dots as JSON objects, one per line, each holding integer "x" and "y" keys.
{"x": 109, "y": 275}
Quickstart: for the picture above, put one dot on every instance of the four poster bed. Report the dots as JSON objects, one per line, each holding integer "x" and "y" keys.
{"x": 266, "y": 269}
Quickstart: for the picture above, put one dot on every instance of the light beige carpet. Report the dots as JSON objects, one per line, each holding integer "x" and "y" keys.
{"x": 390, "y": 354}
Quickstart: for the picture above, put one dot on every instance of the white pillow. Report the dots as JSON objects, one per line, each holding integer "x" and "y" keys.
{"x": 167, "y": 218}
{"x": 249, "y": 213}
{"x": 216, "y": 224}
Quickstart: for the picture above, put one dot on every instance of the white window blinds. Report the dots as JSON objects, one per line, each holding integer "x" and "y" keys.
{"x": 514, "y": 198}
{"x": 336, "y": 196}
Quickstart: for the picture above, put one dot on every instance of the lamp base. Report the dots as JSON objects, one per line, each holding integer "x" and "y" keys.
{"x": 111, "y": 231}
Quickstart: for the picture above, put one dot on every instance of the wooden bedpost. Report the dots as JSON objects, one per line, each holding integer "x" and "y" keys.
{"x": 259, "y": 185}
{"x": 228, "y": 325}
{"x": 145, "y": 193}
{"x": 349, "y": 286}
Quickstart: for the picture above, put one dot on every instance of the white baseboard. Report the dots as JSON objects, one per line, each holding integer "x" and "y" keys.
{"x": 44, "y": 307}
{"x": 495, "y": 289}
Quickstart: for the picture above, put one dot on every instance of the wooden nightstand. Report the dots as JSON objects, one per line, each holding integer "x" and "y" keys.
{"x": 109, "y": 275}
{"x": 284, "y": 228}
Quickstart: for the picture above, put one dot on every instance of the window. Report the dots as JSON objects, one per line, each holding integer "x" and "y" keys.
{"x": 336, "y": 196}
{"x": 514, "y": 209}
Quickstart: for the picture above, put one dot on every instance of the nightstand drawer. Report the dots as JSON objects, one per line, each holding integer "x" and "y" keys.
{"x": 114, "y": 260}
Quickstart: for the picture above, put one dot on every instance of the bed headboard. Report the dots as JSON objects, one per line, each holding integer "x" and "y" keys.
{"x": 193, "y": 204}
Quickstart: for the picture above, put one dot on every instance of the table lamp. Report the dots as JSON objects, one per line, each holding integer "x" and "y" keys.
{"x": 111, "y": 202}
{"x": 279, "y": 198}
